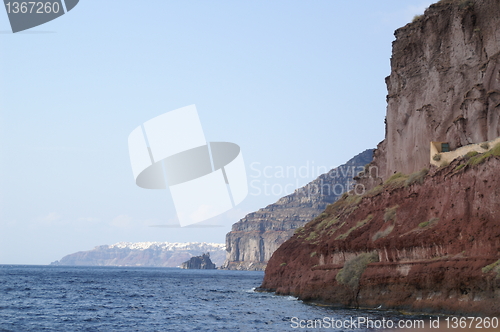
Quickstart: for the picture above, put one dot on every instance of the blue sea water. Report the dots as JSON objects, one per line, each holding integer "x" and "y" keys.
{"x": 59, "y": 298}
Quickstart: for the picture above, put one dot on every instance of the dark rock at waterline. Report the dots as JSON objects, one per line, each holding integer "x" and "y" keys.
{"x": 202, "y": 262}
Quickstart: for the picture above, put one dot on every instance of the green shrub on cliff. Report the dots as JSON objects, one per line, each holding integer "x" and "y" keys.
{"x": 358, "y": 225}
{"x": 481, "y": 157}
{"x": 382, "y": 234}
{"x": 334, "y": 229}
{"x": 390, "y": 213}
{"x": 395, "y": 181}
{"x": 398, "y": 180}
{"x": 323, "y": 215}
{"x": 351, "y": 203}
{"x": 327, "y": 223}
{"x": 428, "y": 223}
{"x": 495, "y": 151}
{"x": 495, "y": 267}
{"x": 344, "y": 205}
{"x": 299, "y": 230}
{"x": 312, "y": 236}
{"x": 471, "y": 154}
{"x": 417, "y": 177}
{"x": 375, "y": 191}
{"x": 353, "y": 269}
{"x": 354, "y": 199}
{"x": 320, "y": 216}
{"x": 423, "y": 224}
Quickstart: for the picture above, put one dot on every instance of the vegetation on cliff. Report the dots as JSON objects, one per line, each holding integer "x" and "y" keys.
{"x": 421, "y": 241}
{"x": 255, "y": 237}
{"x": 444, "y": 84}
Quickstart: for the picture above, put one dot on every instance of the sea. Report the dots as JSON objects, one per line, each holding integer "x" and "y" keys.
{"x": 63, "y": 298}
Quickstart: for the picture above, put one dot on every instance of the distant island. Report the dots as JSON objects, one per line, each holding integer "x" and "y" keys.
{"x": 151, "y": 254}
{"x": 202, "y": 262}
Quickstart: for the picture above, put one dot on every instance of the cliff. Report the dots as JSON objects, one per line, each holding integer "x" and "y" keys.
{"x": 255, "y": 237}
{"x": 444, "y": 84}
{"x": 159, "y": 254}
{"x": 420, "y": 243}
{"x": 430, "y": 240}
{"x": 202, "y": 262}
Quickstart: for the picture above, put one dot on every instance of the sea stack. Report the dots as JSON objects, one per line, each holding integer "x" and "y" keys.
{"x": 202, "y": 262}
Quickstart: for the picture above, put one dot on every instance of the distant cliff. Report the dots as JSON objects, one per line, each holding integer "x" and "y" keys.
{"x": 202, "y": 262}
{"x": 444, "y": 84}
{"x": 161, "y": 254}
{"x": 254, "y": 238}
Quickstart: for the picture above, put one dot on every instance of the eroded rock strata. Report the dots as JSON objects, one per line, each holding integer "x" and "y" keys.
{"x": 255, "y": 237}
{"x": 433, "y": 246}
{"x": 423, "y": 242}
{"x": 444, "y": 84}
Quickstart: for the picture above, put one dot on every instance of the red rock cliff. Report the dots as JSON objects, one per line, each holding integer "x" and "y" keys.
{"x": 424, "y": 242}
{"x": 255, "y": 237}
{"x": 433, "y": 246}
{"x": 444, "y": 83}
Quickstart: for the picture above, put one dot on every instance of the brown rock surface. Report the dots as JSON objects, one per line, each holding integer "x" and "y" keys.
{"x": 423, "y": 242}
{"x": 432, "y": 245}
{"x": 444, "y": 83}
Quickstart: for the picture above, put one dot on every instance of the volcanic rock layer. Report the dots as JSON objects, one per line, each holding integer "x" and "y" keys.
{"x": 429, "y": 240}
{"x": 254, "y": 238}
{"x": 420, "y": 243}
{"x": 444, "y": 84}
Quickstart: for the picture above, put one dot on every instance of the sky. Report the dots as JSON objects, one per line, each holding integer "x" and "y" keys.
{"x": 296, "y": 84}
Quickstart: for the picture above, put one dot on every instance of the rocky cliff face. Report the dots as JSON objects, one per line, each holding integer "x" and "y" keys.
{"x": 254, "y": 238}
{"x": 202, "y": 262}
{"x": 419, "y": 243}
{"x": 425, "y": 241}
{"x": 160, "y": 254}
{"x": 444, "y": 83}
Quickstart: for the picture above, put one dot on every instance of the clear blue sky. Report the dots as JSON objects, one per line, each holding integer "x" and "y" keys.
{"x": 294, "y": 83}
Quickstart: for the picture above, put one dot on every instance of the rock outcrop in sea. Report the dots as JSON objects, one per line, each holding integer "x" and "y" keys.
{"x": 255, "y": 237}
{"x": 422, "y": 240}
{"x": 159, "y": 254}
{"x": 202, "y": 262}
